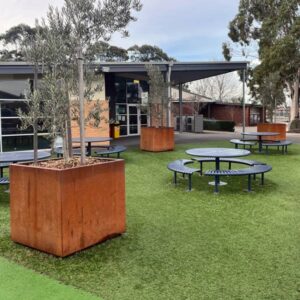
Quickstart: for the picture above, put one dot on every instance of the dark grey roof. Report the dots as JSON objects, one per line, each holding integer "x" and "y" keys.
{"x": 14, "y": 68}
{"x": 182, "y": 72}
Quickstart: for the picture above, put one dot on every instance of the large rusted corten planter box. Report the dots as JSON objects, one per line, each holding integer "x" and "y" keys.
{"x": 157, "y": 139}
{"x": 273, "y": 127}
{"x": 64, "y": 211}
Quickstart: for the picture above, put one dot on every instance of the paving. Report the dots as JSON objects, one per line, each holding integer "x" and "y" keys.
{"x": 206, "y": 136}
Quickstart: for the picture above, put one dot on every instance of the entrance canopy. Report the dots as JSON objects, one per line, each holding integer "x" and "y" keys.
{"x": 181, "y": 72}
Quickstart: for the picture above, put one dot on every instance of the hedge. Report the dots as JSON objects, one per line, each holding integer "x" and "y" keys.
{"x": 295, "y": 125}
{"x": 218, "y": 125}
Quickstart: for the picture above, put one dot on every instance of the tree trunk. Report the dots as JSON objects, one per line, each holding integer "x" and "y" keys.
{"x": 81, "y": 103}
{"x": 65, "y": 147}
{"x": 35, "y": 123}
{"x": 294, "y": 91}
{"x": 35, "y": 143}
{"x": 69, "y": 130}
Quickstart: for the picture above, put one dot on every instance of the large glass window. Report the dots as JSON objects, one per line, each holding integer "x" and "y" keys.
{"x": 12, "y": 98}
{"x": 120, "y": 90}
{"x": 129, "y": 90}
{"x": 133, "y": 95}
{"x": 9, "y": 109}
{"x": 14, "y": 88}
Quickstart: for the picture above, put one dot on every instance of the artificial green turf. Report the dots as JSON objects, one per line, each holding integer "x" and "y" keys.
{"x": 16, "y": 282}
{"x": 181, "y": 245}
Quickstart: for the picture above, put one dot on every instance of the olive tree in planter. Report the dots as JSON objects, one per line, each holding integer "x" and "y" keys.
{"x": 61, "y": 207}
{"x": 157, "y": 137}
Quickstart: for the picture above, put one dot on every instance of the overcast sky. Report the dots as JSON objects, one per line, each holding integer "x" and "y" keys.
{"x": 190, "y": 30}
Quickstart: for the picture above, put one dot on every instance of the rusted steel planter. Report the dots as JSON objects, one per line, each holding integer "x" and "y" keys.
{"x": 64, "y": 211}
{"x": 157, "y": 139}
{"x": 273, "y": 127}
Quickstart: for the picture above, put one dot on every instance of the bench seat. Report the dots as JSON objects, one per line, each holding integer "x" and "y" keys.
{"x": 253, "y": 170}
{"x": 283, "y": 144}
{"x": 248, "y": 162}
{"x": 179, "y": 166}
{"x": 4, "y": 181}
{"x": 243, "y": 143}
{"x": 111, "y": 150}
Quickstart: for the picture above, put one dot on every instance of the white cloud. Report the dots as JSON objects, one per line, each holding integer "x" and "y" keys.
{"x": 184, "y": 29}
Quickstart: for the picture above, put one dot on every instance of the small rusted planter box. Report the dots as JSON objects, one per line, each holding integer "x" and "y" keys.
{"x": 273, "y": 127}
{"x": 157, "y": 139}
{"x": 64, "y": 211}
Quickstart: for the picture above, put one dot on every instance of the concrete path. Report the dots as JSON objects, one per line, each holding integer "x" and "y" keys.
{"x": 206, "y": 136}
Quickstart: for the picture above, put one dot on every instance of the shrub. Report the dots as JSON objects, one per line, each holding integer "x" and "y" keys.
{"x": 217, "y": 125}
{"x": 295, "y": 125}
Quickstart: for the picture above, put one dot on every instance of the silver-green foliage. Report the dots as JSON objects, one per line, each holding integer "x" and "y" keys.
{"x": 158, "y": 99}
{"x": 76, "y": 28}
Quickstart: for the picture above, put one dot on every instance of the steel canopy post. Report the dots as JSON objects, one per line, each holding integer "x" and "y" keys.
{"x": 244, "y": 104}
{"x": 180, "y": 108}
{"x": 169, "y": 87}
{"x": 0, "y": 129}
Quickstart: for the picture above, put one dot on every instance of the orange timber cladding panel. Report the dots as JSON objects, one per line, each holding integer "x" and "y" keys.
{"x": 90, "y": 131}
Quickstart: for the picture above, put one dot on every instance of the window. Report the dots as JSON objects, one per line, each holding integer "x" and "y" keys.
{"x": 12, "y": 96}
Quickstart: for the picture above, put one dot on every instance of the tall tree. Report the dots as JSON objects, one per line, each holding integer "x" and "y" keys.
{"x": 274, "y": 25}
{"x": 270, "y": 93}
{"x": 148, "y": 53}
{"x": 223, "y": 87}
{"x": 13, "y": 39}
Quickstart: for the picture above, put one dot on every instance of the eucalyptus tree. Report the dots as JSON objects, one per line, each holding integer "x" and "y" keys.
{"x": 148, "y": 53}
{"x": 13, "y": 40}
{"x": 274, "y": 26}
{"x": 270, "y": 93}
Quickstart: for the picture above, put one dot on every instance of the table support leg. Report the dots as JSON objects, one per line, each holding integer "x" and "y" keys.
{"x": 259, "y": 144}
{"x": 89, "y": 149}
{"x": 217, "y": 178}
{"x": 249, "y": 183}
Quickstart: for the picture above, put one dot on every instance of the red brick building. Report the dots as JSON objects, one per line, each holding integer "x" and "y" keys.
{"x": 221, "y": 111}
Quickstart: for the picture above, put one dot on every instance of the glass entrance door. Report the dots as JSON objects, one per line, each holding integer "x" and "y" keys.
{"x": 133, "y": 119}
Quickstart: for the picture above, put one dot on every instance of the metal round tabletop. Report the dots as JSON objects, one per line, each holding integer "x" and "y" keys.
{"x": 92, "y": 139}
{"x": 217, "y": 152}
{"x": 18, "y": 156}
{"x": 261, "y": 133}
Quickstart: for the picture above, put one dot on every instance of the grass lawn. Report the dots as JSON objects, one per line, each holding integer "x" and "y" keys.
{"x": 181, "y": 245}
{"x": 16, "y": 282}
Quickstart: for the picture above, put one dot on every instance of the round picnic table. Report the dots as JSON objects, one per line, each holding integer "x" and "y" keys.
{"x": 7, "y": 158}
{"x": 260, "y": 135}
{"x": 21, "y": 156}
{"x": 90, "y": 140}
{"x": 217, "y": 153}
